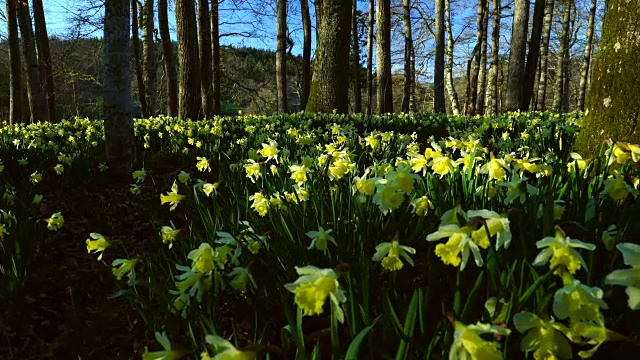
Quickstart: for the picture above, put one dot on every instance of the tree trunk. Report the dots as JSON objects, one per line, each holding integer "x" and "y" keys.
{"x": 477, "y": 60}
{"x": 330, "y": 86}
{"x": 370, "y": 57}
{"x": 149, "y": 51}
{"x": 517, "y": 56}
{"x": 15, "y": 70}
{"x": 357, "y": 91}
{"x": 215, "y": 57}
{"x": 586, "y": 60}
{"x": 613, "y": 103}
{"x": 492, "y": 82}
{"x": 438, "y": 74}
{"x": 44, "y": 56}
{"x": 137, "y": 60}
{"x": 408, "y": 51}
{"x": 318, "y": 6}
{"x": 544, "y": 55}
{"x": 118, "y": 117}
{"x": 169, "y": 65}
{"x": 281, "y": 57}
{"x": 190, "y": 95}
{"x": 306, "y": 52}
{"x": 37, "y": 104}
{"x": 482, "y": 74}
{"x": 205, "y": 54}
{"x": 383, "y": 57}
{"x": 562, "y": 58}
{"x": 451, "y": 90}
{"x": 532, "y": 57}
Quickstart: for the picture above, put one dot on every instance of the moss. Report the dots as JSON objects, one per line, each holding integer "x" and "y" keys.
{"x": 613, "y": 105}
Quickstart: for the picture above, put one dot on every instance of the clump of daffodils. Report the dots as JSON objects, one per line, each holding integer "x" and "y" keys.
{"x": 312, "y": 289}
{"x": 560, "y": 251}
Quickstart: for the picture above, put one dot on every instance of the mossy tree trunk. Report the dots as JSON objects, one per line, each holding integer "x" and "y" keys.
{"x": 330, "y": 85}
{"x": 613, "y": 103}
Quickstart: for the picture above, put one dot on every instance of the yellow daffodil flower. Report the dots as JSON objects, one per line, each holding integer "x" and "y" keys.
{"x": 320, "y": 239}
{"x": 459, "y": 243}
{"x": 495, "y": 168}
{"x": 98, "y": 245}
{"x": 124, "y": 267}
{"x": 260, "y": 203}
{"x": 168, "y": 234}
{"x": 421, "y": 205}
{"x": 203, "y": 164}
{"x": 388, "y": 197}
{"x": 467, "y": 343}
{"x": 578, "y": 302}
{"x": 270, "y": 151}
{"x": 172, "y": 197}
{"x": 139, "y": 175}
{"x": 299, "y": 173}
{"x": 55, "y": 222}
{"x": 563, "y": 254}
{"x": 544, "y": 337}
{"x": 313, "y": 287}
{"x": 494, "y": 225}
{"x": 226, "y": 351}
{"x": 202, "y": 258}
{"x": 390, "y": 253}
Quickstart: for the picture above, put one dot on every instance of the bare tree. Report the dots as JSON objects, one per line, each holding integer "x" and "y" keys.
{"x": 383, "y": 57}
{"x": 532, "y": 56}
{"x": 281, "y": 56}
{"x": 15, "y": 71}
{"x": 517, "y": 55}
{"x": 189, "y": 96}
{"x": 472, "y": 94}
{"x": 586, "y": 60}
{"x": 357, "y": 92}
{"x": 169, "y": 65}
{"x": 306, "y": 52}
{"x": 205, "y": 54}
{"x": 563, "y": 58}
{"x": 492, "y": 81}
{"x": 44, "y": 57}
{"x": 482, "y": 73}
{"x": 544, "y": 56}
{"x": 438, "y": 75}
{"x": 451, "y": 90}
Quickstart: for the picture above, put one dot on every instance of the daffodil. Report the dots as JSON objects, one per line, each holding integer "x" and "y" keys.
{"x": 124, "y": 267}
{"x": 578, "y": 302}
{"x": 226, "y": 351}
{"x": 166, "y": 354}
{"x": 468, "y": 344}
{"x": 299, "y": 173}
{"x": 628, "y": 277}
{"x": 209, "y": 189}
{"x": 561, "y": 249}
{"x": 59, "y": 169}
{"x": 202, "y": 258}
{"x": 241, "y": 278}
{"x": 495, "y": 168}
{"x": 35, "y": 178}
{"x": 443, "y": 165}
{"x": 312, "y": 289}
{"x": 576, "y": 162}
{"x": 203, "y": 164}
{"x": 270, "y": 150}
{"x": 364, "y": 185}
{"x": 99, "y": 244}
{"x": 459, "y": 244}
{"x": 493, "y": 224}
{"x": 390, "y": 253}
{"x": 341, "y": 167}
{"x": 544, "y": 337}
{"x": 168, "y": 234}
{"x": 139, "y": 175}
{"x": 252, "y": 169}
{"x": 260, "y": 203}
{"x": 172, "y": 197}
{"x": 403, "y": 177}
{"x": 388, "y": 196}
{"x": 193, "y": 283}
{"x": 320, "y": 239}
{"x": 184, "y": 177}
{"x": 519, "y": 188}
{"x": 617, "y": 188}
{"x": 55, "y": 222}
{"x": 421, "y": 205}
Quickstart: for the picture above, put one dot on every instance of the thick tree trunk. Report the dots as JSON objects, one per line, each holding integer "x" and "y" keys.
{"x": 281, "y": 57}
{"x": 204, "y": 42}
{"x": 118, "y": 118}
{"x": 169, "y": 64}
{"x": 492, "y": 82}
{"x": 532, "y": 56}
{"x": 330, "y": 86}
{"x": 451, "y": 90}
{"x": 37, "y": 102}
{"x": 517, "y": 56}
{"x": 438, "y": 74}
{"x": 44, "y": 56}
{"x": 477, "y": 60}
{"x": 357, "y": 91}
{"x": 408, "y": 53}
{"x": 149, "y": 51}
{"x": 318, "y": 6}
{"x": 383, "y": 57}
{"x": 190, "y": 95}
{"x": 544, "y": 55}
{"x": 137, "y": 60}
{"x": 306, "y": 52}
{"x": 562, "y": 59}
{"x": 215, "y": 57}
{"x": 482, "y": 74}
{"x": 15, "y": 70}
{"x": 370, "y": 57}
{"x": 586, "y": 60}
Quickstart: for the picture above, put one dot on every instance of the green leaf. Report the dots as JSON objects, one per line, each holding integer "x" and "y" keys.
{"x": 354, "y": 347}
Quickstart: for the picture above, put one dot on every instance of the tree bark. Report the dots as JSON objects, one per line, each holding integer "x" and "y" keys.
{"x": 451, "y": 90}
{"x": 190, "y": 95}
{"x": 532, "y": 56}
{"x": 383, "y": 57}
{"x": 330, "y": 86}
{"x": 169, "y": 64}
{"x": 318, "y": 6}
{"x": 477, "y": 60}
{"x": 408, "y": 53}
{"x": 357, "y": 91}
{"x": 281, "y": 56}
{"x": 149, "y": 53}
{"x": 15, "y": 70}
{"x": 37, "y": 104}
{"x": 586, "y": 60}
{"x": 118, "y": 117}
{"x": 370, "y": 57}
{"x": 544, "y": 56}
{"x": 306, "y": 52}
{"x": 215, "y": 57}
{"x": 44, "y": 56}
{"x": 137, "y": 60}
{"x": 517, "y": 56}
{"x": 205, "y": 54}
{"x": 482, "y": 74}
{"x": 562, "y": 59}
{"x": 492, "y": 81}
{"x": 438, "y": 74}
